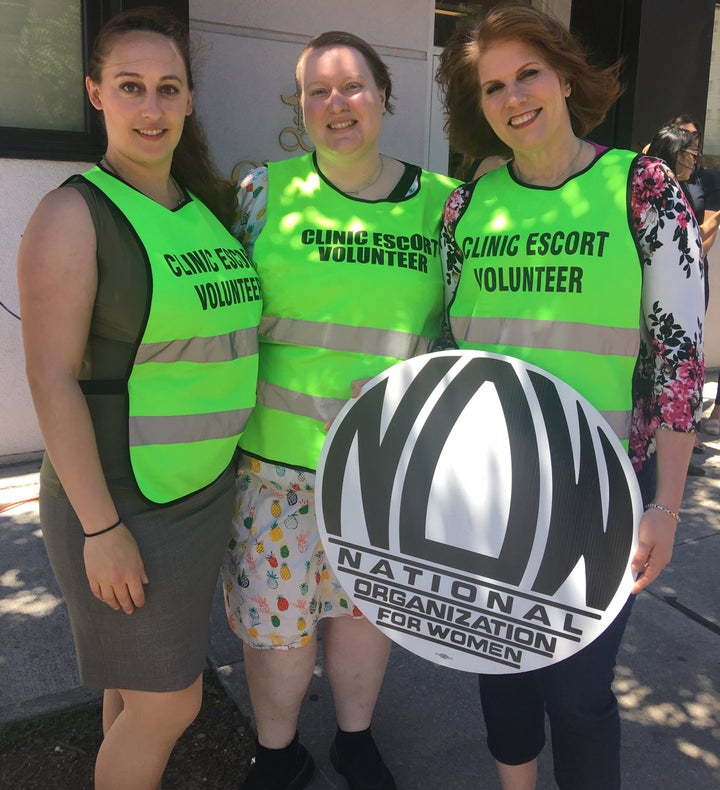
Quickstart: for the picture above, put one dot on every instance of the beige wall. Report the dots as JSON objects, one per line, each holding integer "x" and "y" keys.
{"x": 244, "y": 61}
{"x": 712, "y": 319}
{"x": 560, "y": 9}
{"x": 23, "y": 183}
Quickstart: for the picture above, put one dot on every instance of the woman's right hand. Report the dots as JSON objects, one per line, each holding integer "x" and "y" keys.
{"x": 115, "y": 569}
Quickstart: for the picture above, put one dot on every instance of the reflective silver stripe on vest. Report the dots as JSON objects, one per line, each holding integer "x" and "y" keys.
{"x": 341, "y": 337}
{"x": 282, "y": 399}
{"x": 324, "y": 409}
{"x": 563, "y": 336}
{"x": 219, "y": 348}
{"x": 186, "y": 427}
{"x": 619, "y": 421}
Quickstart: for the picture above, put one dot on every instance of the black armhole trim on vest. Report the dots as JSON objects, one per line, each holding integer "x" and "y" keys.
{"x": 103, "y": 386}
{"x": 631, "y": 225}
{"x": 119, "y": 386}
{"x": 402, "y": 187}
{"x": 120, "y": 217}
{"x": 469, "y": 187}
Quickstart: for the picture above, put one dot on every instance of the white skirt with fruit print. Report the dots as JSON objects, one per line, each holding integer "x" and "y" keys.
{"x": 276, "y": 579}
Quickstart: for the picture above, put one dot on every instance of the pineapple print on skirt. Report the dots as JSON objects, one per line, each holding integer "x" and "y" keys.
{"x": 277, "y": 582}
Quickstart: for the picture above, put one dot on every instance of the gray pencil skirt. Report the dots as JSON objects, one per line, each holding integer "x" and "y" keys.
{"x": 163, "y": 645}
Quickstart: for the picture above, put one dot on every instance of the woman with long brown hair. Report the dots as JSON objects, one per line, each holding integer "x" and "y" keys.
{"x": 141, "y": 389}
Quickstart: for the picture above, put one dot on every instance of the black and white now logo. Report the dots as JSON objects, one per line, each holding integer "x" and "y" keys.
{"x": 479, "y": 511}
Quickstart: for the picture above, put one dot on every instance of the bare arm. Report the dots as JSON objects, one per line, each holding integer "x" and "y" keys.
{"x": 57, "y": 277}
{"x": 656, "y": 534}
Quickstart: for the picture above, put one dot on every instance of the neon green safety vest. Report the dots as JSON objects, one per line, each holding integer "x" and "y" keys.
{"x": 350, "y": 288}
{"x": 192, "y": 384}
{"x": 553, "y": 276}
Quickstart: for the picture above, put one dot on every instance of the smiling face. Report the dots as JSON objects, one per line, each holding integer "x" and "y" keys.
{"x": 522, "y": 97}
{"x": 144, "y": 96}
{"x": 341, "y": 103}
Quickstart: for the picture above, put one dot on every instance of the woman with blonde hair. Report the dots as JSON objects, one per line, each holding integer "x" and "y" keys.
{"x": 345, "y": 243}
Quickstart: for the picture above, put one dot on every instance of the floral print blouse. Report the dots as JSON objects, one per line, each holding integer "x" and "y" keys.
{"x": 669, "y": 374}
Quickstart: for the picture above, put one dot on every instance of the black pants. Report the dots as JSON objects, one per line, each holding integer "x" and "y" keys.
{"x": 577, "y": 696}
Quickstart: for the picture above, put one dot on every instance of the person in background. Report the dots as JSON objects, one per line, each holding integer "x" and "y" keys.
{"x": 680, "y": 147}
{"x": 700, "y": 187}
{"x": 345, "y": 243}
{"x": 705, "y": 193}
{"x": 141, "y": 392}
{"x": 516, "y": 83}
{"x": 684, "y": 156}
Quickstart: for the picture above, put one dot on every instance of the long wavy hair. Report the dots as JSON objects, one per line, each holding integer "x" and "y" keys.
{"x": 594, "y": 89}
{"x": 192, "y": 165}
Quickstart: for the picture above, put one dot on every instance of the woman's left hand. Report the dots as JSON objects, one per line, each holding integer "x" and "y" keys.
{"x": 656, "y": 532}
{"x": 656, "y": 535}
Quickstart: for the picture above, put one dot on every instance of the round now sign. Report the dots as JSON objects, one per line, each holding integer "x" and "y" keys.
{"x": 479, "y": 511}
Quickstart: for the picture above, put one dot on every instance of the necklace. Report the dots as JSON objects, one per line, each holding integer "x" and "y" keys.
{"x": 180, "y": 195}
{"x": 569, "y": 170}
{"x": 370, "y": 183}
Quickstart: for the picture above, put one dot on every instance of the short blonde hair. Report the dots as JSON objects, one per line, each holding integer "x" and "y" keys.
{"x": 339, "y": 38}
{"x": 594, "y": 89}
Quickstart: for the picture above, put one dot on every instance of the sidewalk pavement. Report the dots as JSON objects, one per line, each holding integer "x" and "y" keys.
{"x": 428, "y": 721}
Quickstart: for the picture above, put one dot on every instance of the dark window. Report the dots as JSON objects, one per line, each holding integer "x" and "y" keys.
{"x": 44, "y": 44}
{"x": 449, "y": 12}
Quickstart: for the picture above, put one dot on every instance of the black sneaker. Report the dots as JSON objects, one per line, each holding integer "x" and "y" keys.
{"x": 363, "y": 773}
{"x": 257, "y": 779}
{"x": 695, "y": 471}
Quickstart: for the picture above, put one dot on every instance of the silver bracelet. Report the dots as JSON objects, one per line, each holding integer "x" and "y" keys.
{"x": 664, "y": 510}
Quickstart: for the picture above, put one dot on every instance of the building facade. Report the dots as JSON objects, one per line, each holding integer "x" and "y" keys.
{"x": 244, "y": 60}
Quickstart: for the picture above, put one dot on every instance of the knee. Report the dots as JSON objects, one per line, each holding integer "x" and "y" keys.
{"x": 185, "y": 706}
{"x": 167, "y": 714}
{"x": 514, "y": 713}
{"x": 517, "y": 736}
